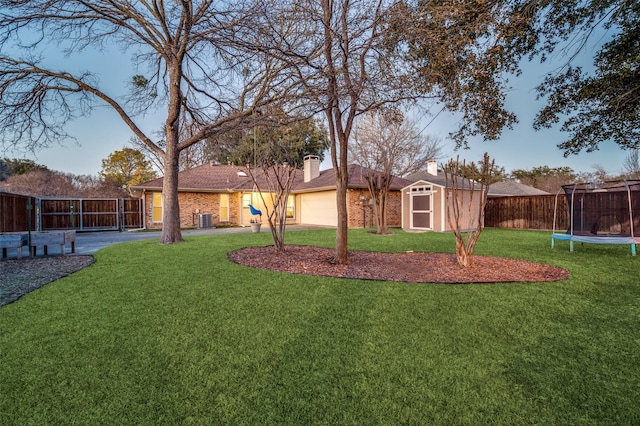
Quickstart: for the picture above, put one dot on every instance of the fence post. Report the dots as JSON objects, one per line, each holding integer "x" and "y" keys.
{"x": 29, "y": 211}
{"x": 120, "y": 214}
{"x": 71, "y": 208}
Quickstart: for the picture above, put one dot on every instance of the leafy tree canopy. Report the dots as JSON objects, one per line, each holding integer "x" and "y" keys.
{"x": 474, "y": 171}
{"x": 463, "y": 53}
{"x": 546, "y": 178}
{"x": 288, "y": 143}
{"x": 17, "y": 166}
{"x": 127, "y": 167}
{"x": 605, "y": 104}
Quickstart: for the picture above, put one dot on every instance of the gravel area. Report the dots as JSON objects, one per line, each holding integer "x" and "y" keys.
{"x": 18, "y": 277}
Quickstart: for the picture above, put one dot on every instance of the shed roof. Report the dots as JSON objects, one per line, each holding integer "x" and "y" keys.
{"x": 440, "y": 180}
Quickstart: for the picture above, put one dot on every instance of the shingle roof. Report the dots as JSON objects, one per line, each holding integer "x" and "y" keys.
{"x": 226, "y": 178}
{"x": 441, "y": 180}
{"x": 438, "y": 179}
{"x": 327, "y": 180}
{"x": 504, "y": 188}
{"x": 508, "y": 188}
{"x": 213, "y": 178}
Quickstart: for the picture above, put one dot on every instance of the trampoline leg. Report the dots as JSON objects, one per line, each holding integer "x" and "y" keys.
{"x": 571, "y": 246}
{"x": 552, "y": 242}
{"x": 633, "y": 249}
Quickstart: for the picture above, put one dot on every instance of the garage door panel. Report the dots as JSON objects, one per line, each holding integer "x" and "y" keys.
{"x": 319, "y": 209}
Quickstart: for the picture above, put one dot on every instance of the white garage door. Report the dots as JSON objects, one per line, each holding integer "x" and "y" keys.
{"x": 319, "y": 209}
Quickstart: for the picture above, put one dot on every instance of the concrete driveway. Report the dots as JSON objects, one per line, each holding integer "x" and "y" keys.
{"x": 90, "y": 242}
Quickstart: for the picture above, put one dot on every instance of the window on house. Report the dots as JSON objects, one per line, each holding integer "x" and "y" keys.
{"x": 291, "y": 207}
{"x": 246, "y": 200}
{"x": 224, "y": 207}
{"x": 156, "y": 207}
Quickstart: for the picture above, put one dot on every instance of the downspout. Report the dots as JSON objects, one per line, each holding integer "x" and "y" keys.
{"x": 144, "y": 208}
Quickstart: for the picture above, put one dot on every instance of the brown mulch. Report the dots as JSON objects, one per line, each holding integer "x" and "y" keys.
{"x": 406, "y": 267}
{"x": 18, "y": 277}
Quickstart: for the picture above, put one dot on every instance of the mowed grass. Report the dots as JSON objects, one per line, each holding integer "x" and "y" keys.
{"x": 177, "y": 334}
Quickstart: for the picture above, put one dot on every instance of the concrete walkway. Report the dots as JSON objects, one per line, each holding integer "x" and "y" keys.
{"x": 91, "y": 242}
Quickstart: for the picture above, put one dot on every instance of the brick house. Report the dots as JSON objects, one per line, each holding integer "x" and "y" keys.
{"x": 225, "y": 191}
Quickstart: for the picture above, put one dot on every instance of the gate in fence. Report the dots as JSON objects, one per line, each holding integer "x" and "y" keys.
{"x": 90, "y": 214}
{"x": 19, "y": 213}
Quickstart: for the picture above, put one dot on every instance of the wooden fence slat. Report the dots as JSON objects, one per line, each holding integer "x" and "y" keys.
{"x": 17, "y": 212}
{"x": 71, "y": 213}
{"x": 527, "y": 212}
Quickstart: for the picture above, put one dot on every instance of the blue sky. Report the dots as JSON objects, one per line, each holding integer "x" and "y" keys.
{"x": 521, "y": 148}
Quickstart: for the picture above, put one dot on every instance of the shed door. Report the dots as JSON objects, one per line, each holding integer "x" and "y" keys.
{"x": 421, "y": 208}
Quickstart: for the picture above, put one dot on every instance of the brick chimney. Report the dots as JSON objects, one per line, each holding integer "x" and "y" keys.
{"x": 311, "y": 167}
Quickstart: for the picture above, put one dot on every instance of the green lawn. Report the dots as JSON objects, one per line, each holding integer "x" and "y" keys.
{"x": 155, "y": 335}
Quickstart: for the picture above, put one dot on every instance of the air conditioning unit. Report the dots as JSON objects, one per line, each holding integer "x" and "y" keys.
{"x": 204, "y": 221}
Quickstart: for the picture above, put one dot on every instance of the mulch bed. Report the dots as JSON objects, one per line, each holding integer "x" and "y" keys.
{"x": 411, "y": 267}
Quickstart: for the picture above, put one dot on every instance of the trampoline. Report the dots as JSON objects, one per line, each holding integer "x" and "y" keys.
{"x": 601, "y": 214}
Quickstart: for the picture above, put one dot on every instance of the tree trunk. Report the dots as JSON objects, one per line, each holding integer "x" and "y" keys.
{"x": 342, "y": 246}
{"x": 462, "y": 253}
{"x": 378, "y": 185}
{"x": 382, "y": 225}
{"x": 170, "y": 208}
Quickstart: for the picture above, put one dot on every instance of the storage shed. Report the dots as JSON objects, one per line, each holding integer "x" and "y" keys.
{"x": 424, "y": 202}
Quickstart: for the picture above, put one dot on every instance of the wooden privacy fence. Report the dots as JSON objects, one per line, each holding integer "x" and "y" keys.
{"x": 19, "y": 213}
{"x": 530, "y": 212}
{"x": 90, "y": 214}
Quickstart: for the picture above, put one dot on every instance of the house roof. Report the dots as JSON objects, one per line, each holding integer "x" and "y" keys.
{"x": 510, "y": 188}
{"x": 228, "y": 178}
{"x": 212, "y": 178}
{"x": 356, "y": 174}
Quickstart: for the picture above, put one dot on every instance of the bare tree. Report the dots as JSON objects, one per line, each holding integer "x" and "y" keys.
{"x": 274, "y": 185}
{"x": 49, "y": 183}
{"x": 338, "y": 51}
{"x": 194, "y": 69}
{"x": 193, "y": 156}
{"x": 466, "y": 200}
{"x": 387, "y": 145}
{"x": 631, "y": 164}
